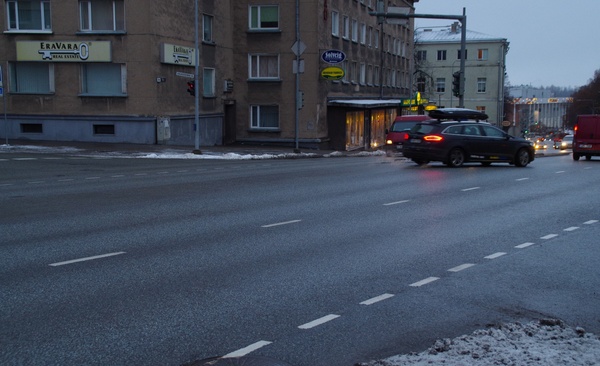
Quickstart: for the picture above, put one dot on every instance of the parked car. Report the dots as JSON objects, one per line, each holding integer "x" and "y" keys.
{"x": 396, "y": 134}
{"x": 586, "y": 139}
{"x": 458, "y": 136}
{"x": 565, "y": 143}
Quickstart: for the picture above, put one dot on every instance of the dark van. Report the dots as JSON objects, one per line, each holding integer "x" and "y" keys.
{"x": 396, "y": 134}
{"x": 586, "y": 139}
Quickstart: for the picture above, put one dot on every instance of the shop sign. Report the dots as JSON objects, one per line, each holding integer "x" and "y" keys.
{"x": 64, "y": 51}
{"x": 177, "y": 55}
{"x": 332, "y": 73}
{"x": 333, "y": 56}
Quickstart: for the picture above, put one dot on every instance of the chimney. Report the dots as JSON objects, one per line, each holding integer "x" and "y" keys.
{"x": 454, "y": 28}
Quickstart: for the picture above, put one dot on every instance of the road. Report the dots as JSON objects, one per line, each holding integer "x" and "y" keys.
{"x": 308, "y": 261}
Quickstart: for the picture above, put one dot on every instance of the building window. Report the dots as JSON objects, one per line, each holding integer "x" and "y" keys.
{"x": 370, "y": 36}
{"x": 376, "y": 38}
{"x": 353, "y": 71}
{"x": 441, "y": 55}
{"x": 346, "y": 70}
{"x": 104, "y": 129}
{"x": 33, "y": 15}
{"x": 466, "y": 55}
{"x": 103, "y": 79}
{"x": 370, "y": 75}
{"x": 264, "y": 116}
{"x": 102, "y": 15}
{"x": 440, "y": 85}
{"x": 32, "y": 128}
{"x": 263, "y": 66}
{"x": 482, "y": 54}
{"x": 208, "y": 82}
{"x": 207, "y": 28}
{"x": 376, "y": 76}
{"x": 346, "y": 27}
{"x": 31, "y": 77}
{"x": 354, "y": 30}
{"x": 264, "y": 17}
{"x": 363, "y": 74}
{"x": 335, "y": 23}
{"x": 363, "y": 33}
{"x": 481, "y": 85}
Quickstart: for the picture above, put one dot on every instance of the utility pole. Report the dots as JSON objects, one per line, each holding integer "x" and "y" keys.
{"x": 196, "y": 83}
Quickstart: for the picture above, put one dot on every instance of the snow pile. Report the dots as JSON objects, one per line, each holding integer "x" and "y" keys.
{"x": 544, "y": 342}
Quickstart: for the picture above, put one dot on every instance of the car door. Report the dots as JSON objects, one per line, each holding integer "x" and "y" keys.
{"x": 497, "y": 145}
{"x": 473, "y": 141}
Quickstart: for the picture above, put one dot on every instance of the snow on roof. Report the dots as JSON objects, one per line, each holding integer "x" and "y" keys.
{"x": 445, "y": 34}
{"x": 366, "y": 102}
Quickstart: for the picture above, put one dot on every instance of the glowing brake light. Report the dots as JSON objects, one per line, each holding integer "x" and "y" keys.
{"x": 433, "y": 138}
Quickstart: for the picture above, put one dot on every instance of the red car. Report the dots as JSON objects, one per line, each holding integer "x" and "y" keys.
{"x": 396, "y": 135}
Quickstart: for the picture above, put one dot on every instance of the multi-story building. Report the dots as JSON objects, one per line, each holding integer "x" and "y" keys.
{"x": 438, "y": 58}
{"x": 117, "y": 71}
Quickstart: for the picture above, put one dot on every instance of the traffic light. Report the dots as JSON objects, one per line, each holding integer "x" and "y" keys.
{"x": 191, "y": 87}
{"x": 456, "y": 83}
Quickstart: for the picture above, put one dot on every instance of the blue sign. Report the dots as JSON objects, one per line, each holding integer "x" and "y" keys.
{"x": 1, "y": 91}
{"x": 333, "y": 56}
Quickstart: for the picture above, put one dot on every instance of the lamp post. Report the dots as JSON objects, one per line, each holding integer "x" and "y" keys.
{"x": 196, "y": 91}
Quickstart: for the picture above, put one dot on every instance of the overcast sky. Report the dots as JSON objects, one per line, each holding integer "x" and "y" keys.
{"x": 552, "y": 42}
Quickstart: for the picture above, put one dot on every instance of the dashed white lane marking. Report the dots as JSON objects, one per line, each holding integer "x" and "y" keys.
{"x": 281, "y": 223}
{"x": 560, "y": 171}
{"x": 85, "y": 259}
{"x": 52, "y": 158}
{"x": 521, "y": 179}
{"x": 140, "y": 174}
{"x": 590, "y": 222}
{"x": 6, "y": 184}
{"x": 549, "y": 236}
{"x": 470, "y": 189}
{"x": 461, "y": 267}
{"x": 66, "y": 180}
{"x": 572, "y": 228}
{"x": 317, "y": 322}
{"x": 37, "y": 182}
{"x": 395, "y": 203}
{"x": 117, "y": 176}
{"x": 92, "y": 178}
{"x": 424, "y": 282}
{"x": 495, "y": 255}
{"x": 524, "y": 245}
{"x": 24, "y": 159}
{"x": 244, "y": 351}
{"x": 376, "y": 299}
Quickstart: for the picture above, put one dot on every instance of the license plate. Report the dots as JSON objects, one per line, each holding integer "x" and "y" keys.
{"x": 585, "y": 146}
{"x": 415, "y": 141}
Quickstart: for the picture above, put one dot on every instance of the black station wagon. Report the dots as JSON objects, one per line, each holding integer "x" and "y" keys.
{"x": 456, "y": 135}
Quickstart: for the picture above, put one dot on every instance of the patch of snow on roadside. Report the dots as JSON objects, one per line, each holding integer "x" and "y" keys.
{"x": 545, "y": 342}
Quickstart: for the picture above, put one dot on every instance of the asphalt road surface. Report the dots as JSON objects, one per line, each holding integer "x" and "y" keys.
{"x": 327, "y": 261}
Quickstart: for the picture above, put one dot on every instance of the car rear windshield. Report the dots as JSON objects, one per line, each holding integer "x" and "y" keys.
{"x": 402, "y": 126}
{"x": 422, "y": 128}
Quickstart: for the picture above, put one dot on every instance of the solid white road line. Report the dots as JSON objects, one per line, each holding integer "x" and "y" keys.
{"x": 395, "y": 203}
{"x": 85, "y": 259}
{"x": 244, "y": 351}
{"x": 524, "y": 245}
{"x": 424, "y": 282}
{"x": 319, "y": 321}
{"x": 572, "y": 228}
{"x": 470, "y": 189}
{"x": 495, "y": 255}
{"x": 375, "y": 299}
{"x": 549, "y": 236}
{"x": 461, "y": 267}
{"x": 281, "y": 223}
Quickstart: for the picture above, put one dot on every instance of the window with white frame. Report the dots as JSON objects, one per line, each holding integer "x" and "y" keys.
{"x": 482, "y": 54}
{"x": 28, "y": 15}
{"x": 376, "y": 76}
{"x": 354, "y": 30}
{"x": 264, "y": 116}
{"x": 370, "y": 75}
{"x": 353, "y": 71}
{"x": 363, "y": 33}
{"x": 440, "y": 85}
{"x": 103, "y": 79}
{"x": 421, "y": 55}
{"x": 335, "y": 23}
{"x": 263, "y": 66}
{"x": 441, "y": 55}
{"x": 346, "y": 27}
{"x": 263, "y": 17}
{"x": 207, "y": 28}
{"x": 208, "y": 82}
{"x": 481, "y": 85}
{"x": 31, "y": 77}
{"x": 370, "y": 36}
{"x": 346, "y": 71}
{"x": 102, "y": 15}
{"x": 363, "y": 74}
{"x": 376, "y": 40}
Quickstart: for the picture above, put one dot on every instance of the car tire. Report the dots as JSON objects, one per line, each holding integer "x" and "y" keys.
{"x": 588, "y": 157}
{"x": 575, "y": 157}
{"x": 522, "y": 158}
{"x": 486, "y": 163}
{"x": 456, "y": 157}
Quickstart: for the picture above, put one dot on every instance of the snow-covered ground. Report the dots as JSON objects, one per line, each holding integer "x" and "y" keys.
{"x": 546, "y": 342}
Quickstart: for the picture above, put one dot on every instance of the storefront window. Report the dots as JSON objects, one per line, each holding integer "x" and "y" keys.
{"x": 355, "y": 130}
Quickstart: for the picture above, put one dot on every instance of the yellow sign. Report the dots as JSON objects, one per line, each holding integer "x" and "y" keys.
{"x": 59, "y": 51}
{"x": 332, "y": 73}
{"x": 178, "y": 55}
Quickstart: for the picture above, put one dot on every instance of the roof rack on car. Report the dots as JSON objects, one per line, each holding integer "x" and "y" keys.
{"x": 457, "y": 114}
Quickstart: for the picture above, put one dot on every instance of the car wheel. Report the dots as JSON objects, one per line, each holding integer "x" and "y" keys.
{"x": 588, "y": 157}
{"x": 522, "y": 158}
{"x": 420, "y": 162}
{"x": 456, "y": 157}
{"x": 486, "y": 163}
{"x": 575, "y": 157}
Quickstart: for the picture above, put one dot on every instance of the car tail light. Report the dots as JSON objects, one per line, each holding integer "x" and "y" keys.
{"x": 406, "y": 136}
{"x": 433, "y": 138}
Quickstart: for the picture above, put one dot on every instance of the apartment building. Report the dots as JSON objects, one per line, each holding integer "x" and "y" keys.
{"x": 438, "y": 58}
{"x": 118, "y": 71}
